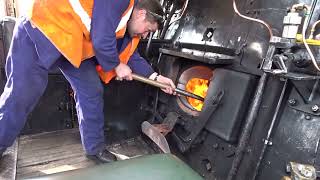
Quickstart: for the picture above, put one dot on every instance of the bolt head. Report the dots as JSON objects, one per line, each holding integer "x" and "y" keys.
{"x": 315, "y": 108}
{"x": 292, "y": 102}
{"x": 307, "y": 117}
{"x": 215, "y": 146}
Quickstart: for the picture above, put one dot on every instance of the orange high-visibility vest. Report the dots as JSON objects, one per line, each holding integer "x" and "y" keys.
{"x": 67, "y": 24}
{"x": 124, "y": 58}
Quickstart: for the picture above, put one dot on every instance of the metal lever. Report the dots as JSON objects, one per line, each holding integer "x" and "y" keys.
{"x": 163, "y": 86}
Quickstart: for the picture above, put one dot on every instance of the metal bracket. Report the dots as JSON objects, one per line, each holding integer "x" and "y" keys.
{"x": 298, "y": 103}
{"x": 279, "y": 60}
{"x": 208, "y": 34}
{"x": 168, "y": 123}
{"x": 276, "y": 43}
{"x": 307, "y": 108}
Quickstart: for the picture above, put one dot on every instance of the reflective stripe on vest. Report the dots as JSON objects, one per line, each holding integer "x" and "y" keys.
{"x": 67, "y": 24}
{"x": 86, "y": 20}
{"x": 125, "y": 55}
{"x": 125, "y": 18}
{"x": 79, "y": 10}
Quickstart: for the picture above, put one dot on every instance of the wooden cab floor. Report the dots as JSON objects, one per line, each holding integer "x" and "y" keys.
{"x": 52, "y": 152}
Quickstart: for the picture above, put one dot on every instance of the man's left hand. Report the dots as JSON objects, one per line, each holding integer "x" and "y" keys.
{"x": 169, "y": 82}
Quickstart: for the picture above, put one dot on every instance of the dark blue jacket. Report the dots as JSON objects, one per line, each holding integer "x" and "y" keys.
{"x": 106, "y": 16}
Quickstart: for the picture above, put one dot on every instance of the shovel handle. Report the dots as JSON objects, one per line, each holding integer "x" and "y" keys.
{"x": 164, "y": 86}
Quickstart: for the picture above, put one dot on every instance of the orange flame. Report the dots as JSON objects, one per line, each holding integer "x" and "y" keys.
{"x": 198, "y": 87}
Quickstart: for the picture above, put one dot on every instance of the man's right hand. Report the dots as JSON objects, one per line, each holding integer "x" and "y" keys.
{"x": 123, "y": 71}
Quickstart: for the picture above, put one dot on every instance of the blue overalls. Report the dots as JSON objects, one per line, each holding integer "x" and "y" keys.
{"x": 30, "y": 57}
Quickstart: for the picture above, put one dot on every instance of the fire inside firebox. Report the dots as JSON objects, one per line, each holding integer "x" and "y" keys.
{"x": 194, "y": 79}
{"x": 199, "y": 87}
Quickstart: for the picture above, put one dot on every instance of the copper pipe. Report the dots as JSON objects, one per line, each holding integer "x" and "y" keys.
{"x": 164, "y": 86}
{"x": 304, "y": 30}
{"x": 185, "y": 5}
{"x": 313, "y": 29}
{"x": 252, "y": 19}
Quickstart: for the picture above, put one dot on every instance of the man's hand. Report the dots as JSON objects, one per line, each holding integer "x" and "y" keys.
{"x": 165, "y": 80}
{"x": 123, "y": 71}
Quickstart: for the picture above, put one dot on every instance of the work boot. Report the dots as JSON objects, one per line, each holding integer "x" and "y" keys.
{"x": 104, "y": 156}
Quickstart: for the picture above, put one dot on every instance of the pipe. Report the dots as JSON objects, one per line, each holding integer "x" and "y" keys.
{"x": 155, "y": 105}
{"x": 245, "y": 135}
{"x": 166, "y": 24}
{"x": 313, "y": 29}
{"x": 164, "y": 86}
{"x": 252, "y": 19}
{"x": 149, "y": 44}
{"x": 304, "y": 30}
{"x": 185, "y": 5}
{"x": 267, "y": 139}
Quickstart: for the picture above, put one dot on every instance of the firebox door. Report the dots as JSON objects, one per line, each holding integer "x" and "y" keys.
{"x": 237, "y": 87}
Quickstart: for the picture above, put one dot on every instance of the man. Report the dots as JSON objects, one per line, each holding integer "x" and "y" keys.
{"x": 87, "y": 33}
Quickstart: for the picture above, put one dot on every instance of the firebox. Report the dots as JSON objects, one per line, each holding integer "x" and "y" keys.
{"x": 227, "y": 96}
{"x": 195, "y": 79}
